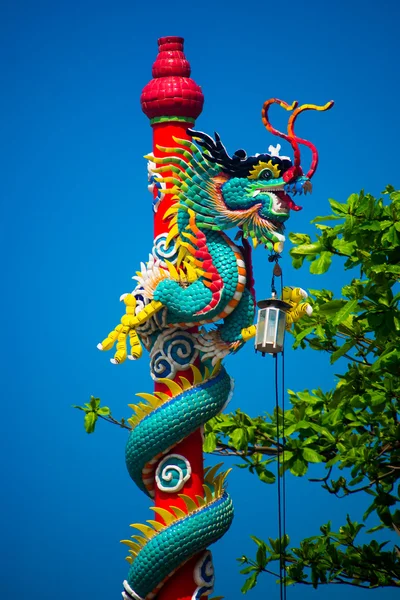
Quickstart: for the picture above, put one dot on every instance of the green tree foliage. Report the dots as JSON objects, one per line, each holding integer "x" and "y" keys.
{"x": 352, "y": 429}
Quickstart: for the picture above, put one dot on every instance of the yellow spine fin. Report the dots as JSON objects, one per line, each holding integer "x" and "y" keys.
{"x": 190, "y": 503}
{"x": 200, "y": 500}
{"x": 145, "y": 529}
{"x": 164, "y": 514}
{"x": 181, "y": 255}
{"x": 173, "y": 272}
{"x": 211, "y": 473}
{"x": 179, "y": 512}
{"x": 172, "y": 210}
{"x": 163, "y": 397}
{"x": 208, "y": 493}
{"x": 173, "y": 387}
{"x": 156, "y": 525}
{"x": 191, "y": 273}
{"x": 136, "y": 548}
{"x": 173, "y": 221}
{"x": 173, "y": 232}
{"x": 150, "y": 398}
{"x": 197, "y": 377}
{"x": 139, "y": 412}
{"x": 217, "y": 368}
{"x": 217, "y": 486}
{"x": 140, "y": 540}
{"x": 186, "y": 385}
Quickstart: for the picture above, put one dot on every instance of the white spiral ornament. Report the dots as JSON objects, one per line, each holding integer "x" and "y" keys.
{"x": 172, "y": 473}
{"x": 173, "y": 351}
{"x": 204, "y": 576}
{"x": 162, "y": 253}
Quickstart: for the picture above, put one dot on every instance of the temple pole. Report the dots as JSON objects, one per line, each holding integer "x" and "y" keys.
{"x": 172, "y": 101}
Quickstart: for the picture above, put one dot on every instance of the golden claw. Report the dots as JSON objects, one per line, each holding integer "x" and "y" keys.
{"x": 129, "y": 322}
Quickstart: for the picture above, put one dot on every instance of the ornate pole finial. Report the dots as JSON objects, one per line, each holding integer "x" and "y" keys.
{"x": 171, "y": 95}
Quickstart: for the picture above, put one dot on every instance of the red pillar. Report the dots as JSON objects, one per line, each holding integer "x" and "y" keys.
{"x": 172, "y": 101}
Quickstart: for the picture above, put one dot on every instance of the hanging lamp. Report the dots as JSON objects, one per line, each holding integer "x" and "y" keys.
{"x": 271, "y": 325}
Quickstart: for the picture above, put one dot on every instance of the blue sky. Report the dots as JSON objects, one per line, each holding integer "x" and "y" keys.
{"x": 77, "y": 221}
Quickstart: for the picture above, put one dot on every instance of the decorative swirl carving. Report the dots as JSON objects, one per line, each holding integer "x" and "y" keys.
{"x": 173, "y": 351}
{"x": 162, "y": 253}
{"x": 172, "y": 473}
{"x": 204, "y": 576}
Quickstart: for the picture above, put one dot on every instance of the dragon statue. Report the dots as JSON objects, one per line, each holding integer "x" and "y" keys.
{"x": 197, "y": 276}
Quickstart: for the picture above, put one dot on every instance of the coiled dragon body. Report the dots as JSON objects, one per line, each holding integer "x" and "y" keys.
{"x": 195, "y": 276}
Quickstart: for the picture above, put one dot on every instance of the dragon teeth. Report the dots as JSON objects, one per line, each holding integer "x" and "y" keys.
{"x": 256, "y": 192}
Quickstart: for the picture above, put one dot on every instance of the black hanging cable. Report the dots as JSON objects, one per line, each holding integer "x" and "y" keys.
{"x": 283, "y": 474}
{"x": 283, "y": 389}
{"x": 280, "y": 434}
{"x": 278, "y": 478}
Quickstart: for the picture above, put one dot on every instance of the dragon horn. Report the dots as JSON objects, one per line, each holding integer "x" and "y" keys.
{"x": 291, "y": 139}
{"x": 292, "y": 120}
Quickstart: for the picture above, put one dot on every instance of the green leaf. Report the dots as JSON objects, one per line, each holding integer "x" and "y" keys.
{"x": 344, "y": 247}
{"x": 327, "y": 218}
{"x": 323, "y": 431}
{"x": 321, "y": 264}
{"x": 345, "y": 311}
{"x": 298, "y": 467}
{"x": 391, "y": 236}
{"x": 287, "y": 455}
{"x": 304, "y": 333}
{"x": 210, "y": 443}
{"x": 337, "y": 207}
{"x": 299, "y": 238}
{"x": 344, "y": 348}
{"x": 331, "y": 308}
{"x": 261, "y": 557}
{"x": 267, "y": 476}
{"x": 306, "y": 249}
{"x": 249, "y": 583}
{"x": 104, "y": 411}
{"x": 90, "y": 422}
{"x": 94, "y": 403}
{"x": 312, "y": 456}
{"x": 239, "y": 439}
{"x": 353, "y": 201}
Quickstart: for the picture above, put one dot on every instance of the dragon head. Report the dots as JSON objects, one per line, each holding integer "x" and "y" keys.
{"x": 255, "y": 192}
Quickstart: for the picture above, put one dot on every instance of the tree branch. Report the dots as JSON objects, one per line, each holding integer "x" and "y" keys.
{"x": 226, "y": 450}
{"x": 111, "y": 419}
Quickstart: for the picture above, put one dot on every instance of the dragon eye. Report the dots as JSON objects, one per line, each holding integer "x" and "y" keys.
{"x": 266, "y": 174}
